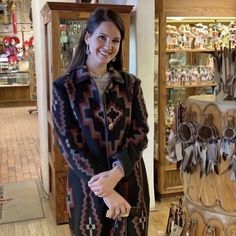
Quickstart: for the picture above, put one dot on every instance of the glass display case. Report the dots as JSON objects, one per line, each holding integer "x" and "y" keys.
{"x": 14, "y": 78}
{"x": 70, "y": 31}
{"x": 14, "y": 84}
{"x": 64, "y": 23}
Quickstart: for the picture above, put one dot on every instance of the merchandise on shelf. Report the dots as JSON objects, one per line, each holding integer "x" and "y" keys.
{"x": 189, "y": 75}
{"x": 201, "y": 36}
{"x": 14, "y": 64}
{"x": 15, "y": 53}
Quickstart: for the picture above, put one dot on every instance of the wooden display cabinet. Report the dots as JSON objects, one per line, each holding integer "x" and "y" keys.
{"x": 14, "y": 88}
{"x": 63, "y": 24}
{"x": 167, "y": 177}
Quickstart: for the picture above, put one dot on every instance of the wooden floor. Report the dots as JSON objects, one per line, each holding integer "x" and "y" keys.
{"x": 48, "y": 227}
{"x": 20, "y": 160}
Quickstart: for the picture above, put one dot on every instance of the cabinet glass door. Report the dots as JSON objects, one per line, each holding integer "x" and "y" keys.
{"x": 70, "y": 32}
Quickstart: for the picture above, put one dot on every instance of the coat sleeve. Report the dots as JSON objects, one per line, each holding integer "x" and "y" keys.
{"x": 136, "y": 141}
{"x": 68, "y": 133}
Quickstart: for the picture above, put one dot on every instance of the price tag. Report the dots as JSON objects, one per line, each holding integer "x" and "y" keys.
{"x": 221, "y": 96}
{"x": 178, "y": 151}
{"x": 176, "y": 230}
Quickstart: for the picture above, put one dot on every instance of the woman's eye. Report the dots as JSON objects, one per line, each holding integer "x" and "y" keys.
{"x": 102, "y": 37}
{"x": 116, "y": 41}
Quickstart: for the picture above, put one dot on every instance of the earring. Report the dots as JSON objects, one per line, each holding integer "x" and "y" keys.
{"x": 87, "y": 50}
{"x": 114, "y": 59}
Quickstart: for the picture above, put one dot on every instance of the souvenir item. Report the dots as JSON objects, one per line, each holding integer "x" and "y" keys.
{"x": 13, "y": 13}
{"x": 232, "y": 33}
{"x": 172, "y": 35}
{"x": 6, "y": 45}
{"x": 209, "y": 166}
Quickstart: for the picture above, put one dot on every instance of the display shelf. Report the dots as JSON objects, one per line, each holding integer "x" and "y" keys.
{"x": 14, "y": 83}
{"x": 170, "y": 13}
{"x": 205, "y": 50}
{"x": 14, "y": 78}
{"x": 196, "y": 85}
{"x": 12, "y": 72}
{"x": 14, "y": 87}
{"x": 16, "y": 93}
{"x": 170, "y": 166}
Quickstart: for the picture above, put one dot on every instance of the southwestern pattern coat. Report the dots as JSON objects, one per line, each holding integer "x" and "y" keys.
{"x": 92, "y": 133}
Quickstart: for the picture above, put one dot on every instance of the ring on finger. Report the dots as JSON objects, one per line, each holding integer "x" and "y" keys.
{"x": 118, "y": 211}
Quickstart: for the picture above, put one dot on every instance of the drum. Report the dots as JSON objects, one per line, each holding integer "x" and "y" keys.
{"x": 210, "y": 190}
{"x": 203, "y": 221}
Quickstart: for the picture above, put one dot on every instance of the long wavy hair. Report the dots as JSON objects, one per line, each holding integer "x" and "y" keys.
{"x": 97, "y": 17}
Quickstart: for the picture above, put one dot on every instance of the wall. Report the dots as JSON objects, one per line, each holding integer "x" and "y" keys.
{"x": 38, "y": 27}
{"x": 142, "y": 66}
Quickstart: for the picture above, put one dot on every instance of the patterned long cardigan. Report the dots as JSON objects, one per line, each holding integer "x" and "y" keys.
{"x": 92, "y": 133}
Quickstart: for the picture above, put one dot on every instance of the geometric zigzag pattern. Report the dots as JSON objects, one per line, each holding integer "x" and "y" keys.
{"x": 92, "y": 133}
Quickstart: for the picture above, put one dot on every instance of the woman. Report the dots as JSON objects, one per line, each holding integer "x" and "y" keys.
{"x": 100, "y": 120}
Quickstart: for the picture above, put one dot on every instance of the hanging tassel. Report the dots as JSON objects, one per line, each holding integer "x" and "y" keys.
{"x": 233, "y": 174}
{"x": 224, "y": 148}
{"x": 171, "y": 147}
{"x": 186, "y": 163}
{"x": 203, "y": 161}
{"x": 212, "y": 157}
{"x": 13, "y": 13}
{"x": 196, "y": 152}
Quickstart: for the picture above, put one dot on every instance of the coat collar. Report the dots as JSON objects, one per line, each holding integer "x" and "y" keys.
{"x": 82, "y": 74}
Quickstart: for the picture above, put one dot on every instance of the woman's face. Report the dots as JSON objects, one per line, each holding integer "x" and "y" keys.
{"x": 104, "y": 43}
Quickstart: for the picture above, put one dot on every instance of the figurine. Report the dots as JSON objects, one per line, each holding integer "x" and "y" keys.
{"x": 13, "y": 45}
{"x": 182, "y": 36}
{"x": 201, "y": 32}
{"x": 26, "y": 47}
{"x": 172, "y": 37}
{"x": 214, "y": 35}
{"x": 232, "y": 33}
{"x": 13, "y": 62}
{"x": 189, "y": 37}
{"x": 6, "y": 46}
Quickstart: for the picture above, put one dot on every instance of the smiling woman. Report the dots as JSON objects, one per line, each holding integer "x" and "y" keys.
{"x": 100, "y": 120}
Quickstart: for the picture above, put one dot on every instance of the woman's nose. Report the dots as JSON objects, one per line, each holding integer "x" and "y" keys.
{"x": 108, "y": 45}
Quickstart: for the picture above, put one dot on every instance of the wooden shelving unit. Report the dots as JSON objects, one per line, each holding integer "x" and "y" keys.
{"x": 167, "y": 177}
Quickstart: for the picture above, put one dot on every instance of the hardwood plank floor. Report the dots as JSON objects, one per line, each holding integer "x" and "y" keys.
{"x": 48, "y": 227}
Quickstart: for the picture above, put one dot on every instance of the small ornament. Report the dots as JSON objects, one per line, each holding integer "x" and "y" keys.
{"x": 111, "y": 126}
{"x": 13, "y": 12}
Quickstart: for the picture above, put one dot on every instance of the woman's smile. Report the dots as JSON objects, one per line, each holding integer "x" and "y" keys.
{"x": 104, "y": 43}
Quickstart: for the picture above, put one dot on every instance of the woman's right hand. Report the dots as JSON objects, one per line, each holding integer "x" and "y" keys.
{"x": 103, "y": 183}
{"x": 117, "y": 205}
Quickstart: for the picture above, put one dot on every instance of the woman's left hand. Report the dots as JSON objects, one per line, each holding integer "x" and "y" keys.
{"x": 103, "y": 183}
